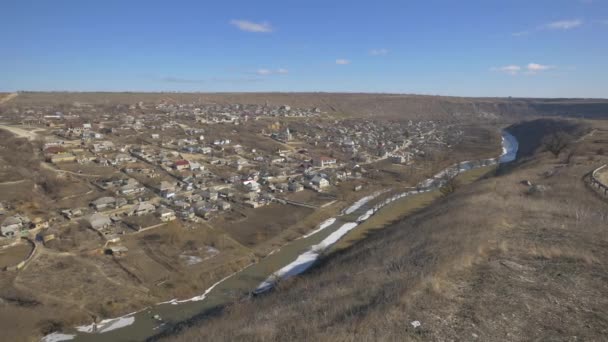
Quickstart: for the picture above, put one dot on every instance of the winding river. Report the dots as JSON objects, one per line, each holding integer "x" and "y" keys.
{"x": 292, "y": 259}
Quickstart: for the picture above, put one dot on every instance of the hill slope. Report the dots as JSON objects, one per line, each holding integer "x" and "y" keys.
{"x": 493, "y": 261}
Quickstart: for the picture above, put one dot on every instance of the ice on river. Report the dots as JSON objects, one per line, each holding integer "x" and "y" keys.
{"x": 107, "y": 325}
{"x": 305, "y": 260}
{"x": 322, "y": 226}
{"x": 509, "y": 147}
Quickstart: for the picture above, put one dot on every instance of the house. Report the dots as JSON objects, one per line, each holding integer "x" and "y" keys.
{"x": 123, "y": 158}
{"x": 132, "y": 187}
{"x": 103, "y": 203}
{"x": 320, "y": 182}
{"x": 187, "y": 214}
{"x": 324, "y": 161}
{"x": 209, "y": 195}
{"x": 250, "y": 196}
{"x": 253, "y": 204}
{"x": 251, "y": 185}
{"x": 344, "y": 174}
{"x": 71, "y": 213}
{"x": 181, "y": 204}
{"x": 141, "y": 209}
{"x": 181, "y": 165}
{"x": 120, "y": 202}
{"x": 167, "y": 189}
{"x": 196, "y": 166}
{"x": 117, "y": 251}
{"x": 400, "y": 159}
{"x": 166, "y": 214}
{"x": 62, "y": 158}
{"x": 99, "y": 221}
{"x": 40, "y": 223}
{"x": 282, "y": 187}
{"x": 11, "y": 226}
{"x": 55, "y": 149}
{"x": 295, "y": 187}
{"x": 223, "y": 205}
{"x": 226, "y": 193}
{"x": 193, "y": 197}
{"x": 103, "y": 146}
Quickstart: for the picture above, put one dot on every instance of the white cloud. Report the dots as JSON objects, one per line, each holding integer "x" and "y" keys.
{"x": 509, "y": 69}
{"x": 250, "y": 26}
{"x": 266, "y": 72}
{"x": 531, "y": 68}
{"x": 520, "y": 33}
{"x": 379, "y": 52}
{"x": 534, "y": 68}
{"x": 564, "y": 24}
{"x": 342, "y": 61}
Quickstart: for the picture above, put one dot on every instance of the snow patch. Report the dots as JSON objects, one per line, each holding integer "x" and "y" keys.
{"x": 358, "y": 204}
{"x": 305, "y": 260}
{"x": 365, "y": 216}
{"x": 107, "y": 325}
{"x": 322, "y": 226}
{"x": 191, "y": 259}
{"x": 57, "y": 337}
{"x": 204, "y": 295}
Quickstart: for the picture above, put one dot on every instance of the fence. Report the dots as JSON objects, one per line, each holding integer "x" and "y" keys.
{"x": 24, "y": 262}
{"x": 596, "y": 184}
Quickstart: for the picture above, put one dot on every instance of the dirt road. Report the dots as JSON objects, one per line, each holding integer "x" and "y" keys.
{"x": 8, "y": 98}
{"x": 13, "y": 182}
{"x": 20, "y": 132}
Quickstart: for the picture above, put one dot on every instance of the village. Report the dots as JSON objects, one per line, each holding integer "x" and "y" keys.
{"x": 166, "y": 162}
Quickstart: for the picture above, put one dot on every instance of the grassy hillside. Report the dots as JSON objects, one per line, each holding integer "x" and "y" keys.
{"x": 492, "y": 261}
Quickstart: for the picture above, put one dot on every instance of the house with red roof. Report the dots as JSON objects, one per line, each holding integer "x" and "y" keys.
{"x": 181, "y": 165}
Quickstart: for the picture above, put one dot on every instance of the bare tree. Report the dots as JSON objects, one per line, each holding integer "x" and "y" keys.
{"x": 450, "y": 185}
{"x": 557, "y": 142}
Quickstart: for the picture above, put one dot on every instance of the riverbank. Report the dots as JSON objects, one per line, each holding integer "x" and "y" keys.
{"x": 403, "y": 207}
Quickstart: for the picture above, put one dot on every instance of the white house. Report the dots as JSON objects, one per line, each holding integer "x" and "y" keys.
{"x": 324, "y": 161}
{"x": 320, "y": 181}
{"x": 11, "y": 227}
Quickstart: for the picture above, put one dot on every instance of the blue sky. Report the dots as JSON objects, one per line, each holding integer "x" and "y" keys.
{"x": 537, "y": 48}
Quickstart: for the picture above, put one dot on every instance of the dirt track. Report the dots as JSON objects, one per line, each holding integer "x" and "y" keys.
{"x": 8, "y": 98}
{"x": 20, "y": 132}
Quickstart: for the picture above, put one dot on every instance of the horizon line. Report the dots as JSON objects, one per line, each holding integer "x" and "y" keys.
{"x": 293, "y": 92}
